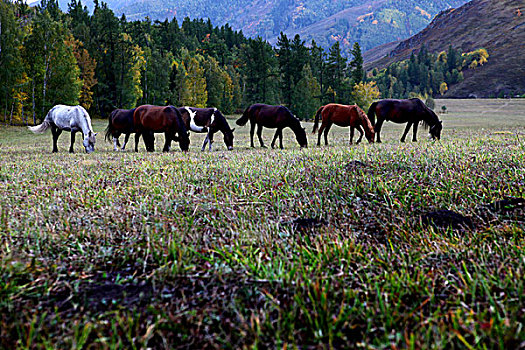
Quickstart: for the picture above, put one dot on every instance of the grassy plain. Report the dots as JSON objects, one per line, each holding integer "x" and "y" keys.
{"x": 260, "y": 248}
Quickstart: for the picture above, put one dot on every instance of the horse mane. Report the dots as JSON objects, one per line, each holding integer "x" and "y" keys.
{"x": 432, "y": 117}
{"x": 365, "y": 121}
{"x": 222, "y": 120}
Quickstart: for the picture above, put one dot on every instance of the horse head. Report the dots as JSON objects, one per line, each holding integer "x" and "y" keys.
{"x": 435, "y": 131}
{"x": 184, "y": 141}
{"x": 89, "y": 141}
{"x": 300, "y": 135}
{"x": 228, "y": 139}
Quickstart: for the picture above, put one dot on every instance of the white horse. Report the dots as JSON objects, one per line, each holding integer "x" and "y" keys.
{"x": 69, "y": 118}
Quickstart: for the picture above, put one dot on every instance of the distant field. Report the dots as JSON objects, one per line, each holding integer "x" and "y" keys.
{"x": 322, "y": 247}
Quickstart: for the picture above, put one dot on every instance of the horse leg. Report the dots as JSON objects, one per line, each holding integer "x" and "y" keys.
{"x": 56, "y": 133}
{"x": 326, "y": 130}
{"x": 210, "y": 138}
{"x": 115, "y": 142}
{"x": 205, "y": 143}
{"x": 414, "y": 139}
{"x": 126, "y": 138}
{"x": 252, "y": 131}
{"x": 275, "y": 137}
{"x": 137, "y": 139}
{"x": 281, "y": 138}
{"x": 259, "y": 135}
{"x": 409, "y": 124}
{"x": 167, "y": 143}
{"x": 319, "y": 133}
{"x": 377, "y": 129}
{"x": 71, "y": 150}
{"x": 351, "y": 134}
{"x": 361, "y": 134}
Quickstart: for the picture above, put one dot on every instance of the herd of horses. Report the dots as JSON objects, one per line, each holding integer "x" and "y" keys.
{"x": 175, "y": 123}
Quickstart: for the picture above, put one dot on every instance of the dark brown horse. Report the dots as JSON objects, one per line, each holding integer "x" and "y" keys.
{"x": 208, "y": 120}
{"x": 150, "y": 119}
{"x": 412, "y": 112}
{"x": 273, "y": 117}
{"x": 343, "y": 115}
{"x": 121, "y": 122}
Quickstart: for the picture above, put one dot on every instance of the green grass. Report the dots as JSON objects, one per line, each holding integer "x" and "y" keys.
{"x": 126, "y": 250}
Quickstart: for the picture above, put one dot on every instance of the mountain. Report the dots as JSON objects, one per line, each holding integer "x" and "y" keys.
{"x": 496, "y": 25}
{"x": 369, "y": 22}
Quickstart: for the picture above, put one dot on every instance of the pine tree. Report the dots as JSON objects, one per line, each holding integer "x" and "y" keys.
{"x": 356, "y": 64}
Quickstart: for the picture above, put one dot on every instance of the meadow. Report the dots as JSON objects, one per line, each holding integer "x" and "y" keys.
{"x": 317, "y": 248}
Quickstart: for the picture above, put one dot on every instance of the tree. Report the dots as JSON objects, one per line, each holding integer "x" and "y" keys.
{"x": 365, "y": 93}
{"x": 12, "y": 78}
{"x": 87, "y": 67}
{"x": 51, "y": 65}
{"x": 336, "y": 73}
{"x": 356, "y": 64}
{"x": 443, "y": 88}
{"x": 259, "y": 63}
{"x": 304, "y": 95}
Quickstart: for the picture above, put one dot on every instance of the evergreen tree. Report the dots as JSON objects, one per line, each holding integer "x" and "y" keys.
{"x": 356, "y": 64}
{"x": 336, "y": 73}
{"x": 305, "y": 104}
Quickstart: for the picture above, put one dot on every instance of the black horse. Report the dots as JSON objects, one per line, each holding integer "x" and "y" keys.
{"x": 412, "y": 112}
{"x": 208, "y": 120}
{"x": 121, "y": 122}
{"x": 274, "y": 117}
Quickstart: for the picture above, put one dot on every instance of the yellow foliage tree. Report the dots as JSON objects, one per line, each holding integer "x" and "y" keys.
{"x": 365, "y": 93}
{"x": 443, "y": 88}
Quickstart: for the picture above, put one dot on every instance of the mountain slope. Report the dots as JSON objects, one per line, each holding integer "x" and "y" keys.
{"x": 370, "y": 22}
{"x": 495, "y": 25}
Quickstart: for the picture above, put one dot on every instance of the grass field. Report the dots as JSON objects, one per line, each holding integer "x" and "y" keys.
{"x": 257, "y": 248}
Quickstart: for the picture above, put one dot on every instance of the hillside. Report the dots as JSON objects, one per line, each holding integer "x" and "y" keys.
{"x": 370, "y": 22}
{"x": 495, "y": 25}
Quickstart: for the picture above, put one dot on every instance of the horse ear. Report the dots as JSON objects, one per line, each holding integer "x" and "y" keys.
{"x": 233, "y": 129}
{"x": 441, "y": 122}
{"x": 96, "y": 134}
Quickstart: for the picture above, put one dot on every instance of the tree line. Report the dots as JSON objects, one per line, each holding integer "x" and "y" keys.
{"x": 103, "y": 62}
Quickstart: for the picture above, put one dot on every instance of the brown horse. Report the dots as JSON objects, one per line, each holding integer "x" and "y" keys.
{"x": 412, "y": 112}
{"x": 343, "y": 115}
{"x": 273, "y": 117}
{"x": 150, "y": 119}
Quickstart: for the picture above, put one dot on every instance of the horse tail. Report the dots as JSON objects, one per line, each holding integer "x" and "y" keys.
{"x": 109, "y": 130}
{"x": 244, "y": 119}
{"x": 372, "y": 113}
{"x": 40, "y": 129}
{"x": 316, "y": 121}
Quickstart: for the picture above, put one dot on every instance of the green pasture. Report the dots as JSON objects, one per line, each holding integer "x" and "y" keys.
{"x": 321, "y": 247}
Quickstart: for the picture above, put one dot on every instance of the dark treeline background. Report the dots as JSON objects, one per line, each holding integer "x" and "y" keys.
{"x": 104, "y": 62}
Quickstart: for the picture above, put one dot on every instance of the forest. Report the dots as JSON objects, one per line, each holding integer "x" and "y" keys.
{"x": 103, "y": 62}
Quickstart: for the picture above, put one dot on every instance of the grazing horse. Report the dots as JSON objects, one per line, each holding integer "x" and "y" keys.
{"x": 148, "y": 119}
{"x": 121, "y": 122}
{"x": 412, "y": 112}
{"x": 69, "y": 118}
{"x": 343, "y": 115}
{"x": 279, "y": 117}
{"x": 208, "y": 120}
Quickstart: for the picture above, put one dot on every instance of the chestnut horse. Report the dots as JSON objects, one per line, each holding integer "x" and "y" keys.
{"x": 274, "y": 117}
{"x": 148, "y": 119}
{"x": 343, "y": 115}
{"x": 412, "y": 112}
{"x": 209, "y": 120}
